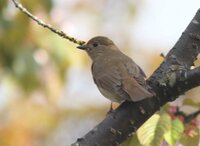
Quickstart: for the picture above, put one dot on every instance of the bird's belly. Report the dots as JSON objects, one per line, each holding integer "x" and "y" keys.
{"x": 110, "y": 96}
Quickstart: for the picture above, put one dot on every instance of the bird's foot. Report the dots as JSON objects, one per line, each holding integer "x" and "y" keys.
{"x": 110, "y": 110}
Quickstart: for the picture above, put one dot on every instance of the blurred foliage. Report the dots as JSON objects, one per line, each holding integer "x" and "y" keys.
{"x": 16, "y": 51}
{"x": 165, "y": 127}
{"x": 20, "y": 42}
{"x": 34, "y": 64}
{"x": 30, "y": 125}
{"x": 174, "y": 134}
{"x": 190, "y": 102}
{"x": 191, "y": 137}
{"x": 151, "y": 133}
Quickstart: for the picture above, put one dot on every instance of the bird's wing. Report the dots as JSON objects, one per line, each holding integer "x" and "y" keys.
{"x": 111, "y": 81}
{"x": 134, "y": 89}
{"x": 135, "y": 72}
{"x": 134, "y": 84}
{"x": 121, "y": 81}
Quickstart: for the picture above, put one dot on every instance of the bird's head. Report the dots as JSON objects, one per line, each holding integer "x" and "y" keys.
{"x": 98, "y": 46}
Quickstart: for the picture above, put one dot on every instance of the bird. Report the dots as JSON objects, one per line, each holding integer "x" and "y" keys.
{"x": 116, "y": 75}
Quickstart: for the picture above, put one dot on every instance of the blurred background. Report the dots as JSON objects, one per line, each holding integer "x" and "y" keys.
{"x": 47, "y": 95}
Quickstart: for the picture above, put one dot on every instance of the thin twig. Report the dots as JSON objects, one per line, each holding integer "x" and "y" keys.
{"x": 48, "y": 26}
{"x": 187, "y": 118}
{"x": 191, "y": 116}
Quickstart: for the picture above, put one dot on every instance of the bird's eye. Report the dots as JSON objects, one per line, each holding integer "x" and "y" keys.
{"x": 95, "y": 44}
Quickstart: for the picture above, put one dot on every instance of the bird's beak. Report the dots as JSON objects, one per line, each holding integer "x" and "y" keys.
{"x": 83, "y": 47}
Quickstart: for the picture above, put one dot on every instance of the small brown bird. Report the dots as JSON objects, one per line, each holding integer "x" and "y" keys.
{"x": 116, "y": 75}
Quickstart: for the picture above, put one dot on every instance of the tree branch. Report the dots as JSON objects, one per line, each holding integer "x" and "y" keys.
{"x": 187, "y": 118}
{"x": 191, "y": 116}
{"x": 188, "y": 79}
{"x": 170, "y": 80}
{"x": 48, "y": 26}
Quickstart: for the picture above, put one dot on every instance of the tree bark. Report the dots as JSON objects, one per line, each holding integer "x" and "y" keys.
{"x": 172, "y": 78}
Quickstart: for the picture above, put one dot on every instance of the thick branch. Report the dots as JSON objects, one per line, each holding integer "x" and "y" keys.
{"x": 48, "y": 26}
{"x": 188, "y": 79}
{"x": 167, "y": 82}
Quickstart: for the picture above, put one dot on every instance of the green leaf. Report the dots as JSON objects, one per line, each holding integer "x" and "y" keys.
{"x": 132, "y": 141}
{"x": 152, "y": 132}
{"x": 162, "y": 127}
{"x": 174, "y": 134}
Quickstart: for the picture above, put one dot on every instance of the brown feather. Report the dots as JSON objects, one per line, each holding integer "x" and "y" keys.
{"x": 135, "y": 90}
{"x": 116, "y": 75}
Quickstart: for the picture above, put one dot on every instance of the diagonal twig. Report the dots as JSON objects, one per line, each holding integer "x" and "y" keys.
{"x": 48, "y": 26}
